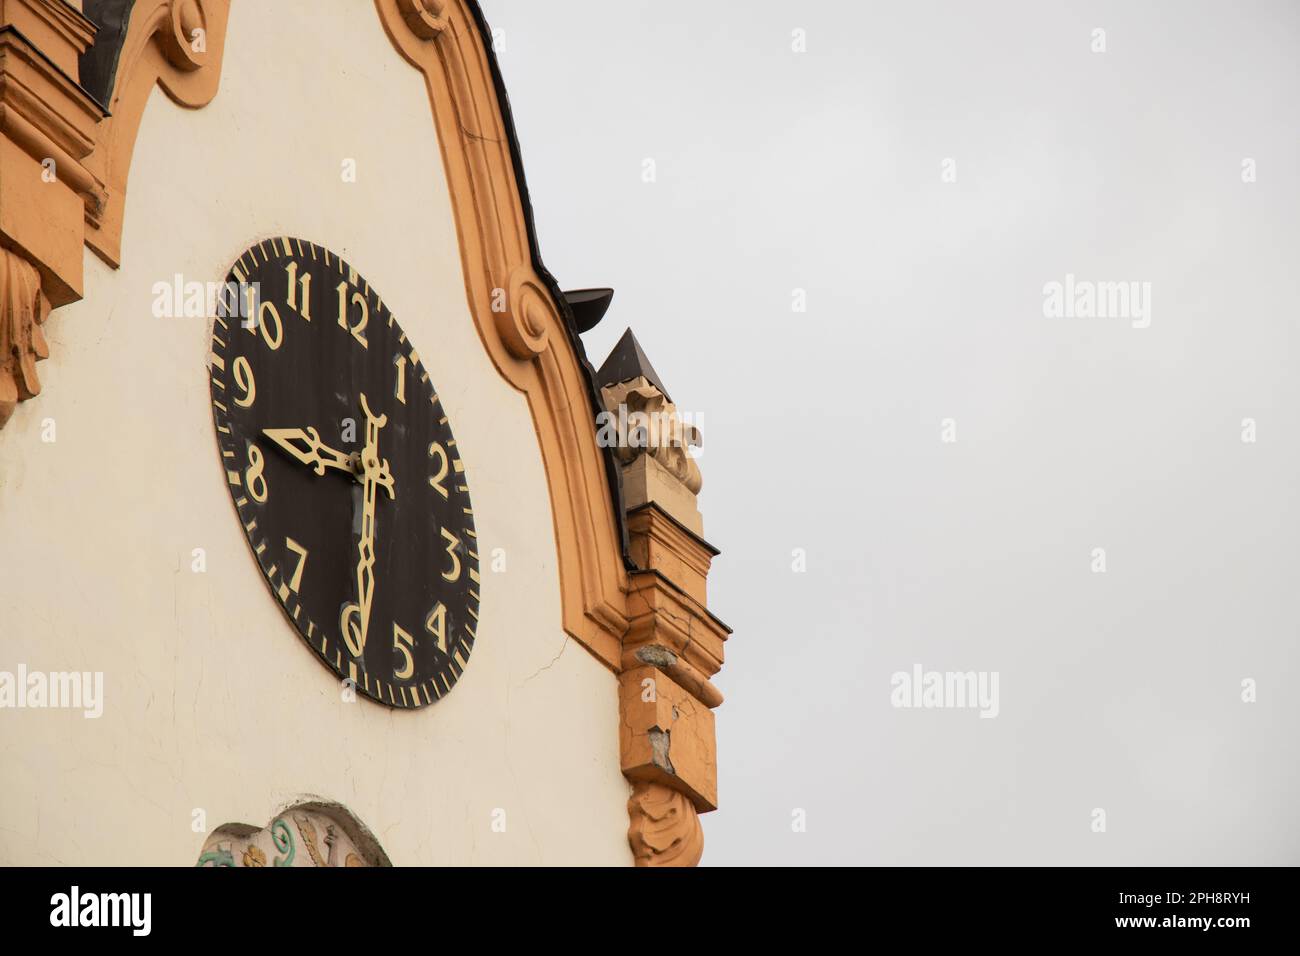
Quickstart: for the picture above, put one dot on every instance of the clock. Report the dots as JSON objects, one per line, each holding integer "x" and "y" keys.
{"x": 345, "y": 475}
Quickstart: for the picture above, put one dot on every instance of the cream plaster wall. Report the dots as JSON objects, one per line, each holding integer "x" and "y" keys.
{"x": 211, "y": 700}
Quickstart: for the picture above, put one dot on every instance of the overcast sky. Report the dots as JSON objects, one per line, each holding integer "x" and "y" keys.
{"x": 826, "y": 171}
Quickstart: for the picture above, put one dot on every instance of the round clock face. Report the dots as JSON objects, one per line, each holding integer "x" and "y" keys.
{"x": 344, "y": 472}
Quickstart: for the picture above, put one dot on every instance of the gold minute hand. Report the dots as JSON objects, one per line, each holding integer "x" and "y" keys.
{"x": 354, "y": 621}
{"x": 356, "y": 617}
{"x": 305, "y": 445}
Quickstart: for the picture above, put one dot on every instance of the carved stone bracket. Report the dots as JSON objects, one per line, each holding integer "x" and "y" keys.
{"x": 667, "y": 736}
{"x": 665, "y": 829}
{"x": 23, "y": 309}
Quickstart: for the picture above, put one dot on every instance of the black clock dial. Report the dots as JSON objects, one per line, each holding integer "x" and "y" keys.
{"x": 345, "y": 473}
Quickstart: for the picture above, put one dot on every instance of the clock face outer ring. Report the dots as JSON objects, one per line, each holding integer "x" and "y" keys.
{"x": 417, "y": 546}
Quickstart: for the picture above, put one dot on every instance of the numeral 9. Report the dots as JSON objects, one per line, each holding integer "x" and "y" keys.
{"x": 244, "y": 379}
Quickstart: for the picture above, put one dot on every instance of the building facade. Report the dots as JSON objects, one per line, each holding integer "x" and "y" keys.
{"x": 324, "y": 543}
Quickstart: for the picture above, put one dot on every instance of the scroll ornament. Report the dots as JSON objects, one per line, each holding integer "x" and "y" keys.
{"x": 663, "y": 436}
{"x": 425, "y": 17}
{"x": 23, "y": 310}
{"x": 665, "y": 828}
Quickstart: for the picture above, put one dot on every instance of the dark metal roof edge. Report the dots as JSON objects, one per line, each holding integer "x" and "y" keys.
{"x": 613, "y": 473}
{"x": 98, "y": 65}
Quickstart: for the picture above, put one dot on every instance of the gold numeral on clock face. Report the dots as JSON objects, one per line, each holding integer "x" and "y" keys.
{"x": 403, "y": 642}
{"x": 358, "y": 330}
{"x": 294, "y": 281}
{"x": 453, "y": 543}
{"x": 399, "y": 390}
{"x": 265, "y": 309}
{"x": 299, "y": 550}
{"x": 437, "y": 451}
{"x": 436, "y": 624}
{"x": 244, "y": 379}
{"x": 254, "y": 480}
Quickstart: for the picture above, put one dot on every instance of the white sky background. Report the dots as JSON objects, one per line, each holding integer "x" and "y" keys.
{"x": 821, "y": 170}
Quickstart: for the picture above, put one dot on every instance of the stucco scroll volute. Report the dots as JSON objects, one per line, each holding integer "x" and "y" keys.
{"x": 424, "y": 17}
{"x": 23, "y": 309}
{"x": 185, "y": 43}
{"x": 523, "y": 318}
{"x": 665, "y": 829}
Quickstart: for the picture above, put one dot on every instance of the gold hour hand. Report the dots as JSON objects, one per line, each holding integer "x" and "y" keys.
{"x": 305, "y": 445}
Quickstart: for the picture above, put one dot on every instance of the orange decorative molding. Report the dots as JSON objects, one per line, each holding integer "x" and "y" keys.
{"x": 652, "y": 626}
{"x": 673, "y": 645}
{"x": 666, "y": 732}
{"x": 65, "y": 164}
{"x": 665, "y": 829}
{"x": 423, "y": 17}
{"x": 519, "y": 321}
{"x": 664, "y": 615}
{"x": 667, "y": 737}
{"x": 47, "y": 130}
{"x": 178, "y": 45}
{"x": 23, "y": 309}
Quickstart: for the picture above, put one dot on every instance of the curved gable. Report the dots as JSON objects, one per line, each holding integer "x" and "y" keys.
{"x": 436, "y": 214}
